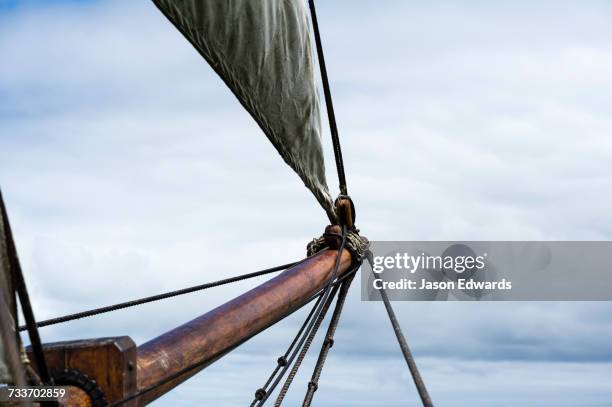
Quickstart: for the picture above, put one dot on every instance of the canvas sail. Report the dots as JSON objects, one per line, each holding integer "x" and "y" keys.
{"x": 262, "y": 51}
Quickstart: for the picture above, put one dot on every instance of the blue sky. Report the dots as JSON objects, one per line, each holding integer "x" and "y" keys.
{"x": 127, "y": 167}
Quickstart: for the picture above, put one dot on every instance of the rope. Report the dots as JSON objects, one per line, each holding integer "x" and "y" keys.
{"x": 282, "y": 361}
{"x": 304, "y": 350}
{"x": 414, "y": 371}
{"x": 357, "y": 245}
{"x": 318, "y": 312}
{"x": 328, "y": 102}
{"x": 127, "y": 304}
{"x": 24, "y": 298}
{"x": 188, "y": 369}
{"x": 313, "y": 385}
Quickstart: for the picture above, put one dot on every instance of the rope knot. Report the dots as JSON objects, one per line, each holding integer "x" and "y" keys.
{"x": 260, "y": 394}
{"x": 312, "y": 385}
{"x": 282, "y": 361}
{"x": 332, "y": 238}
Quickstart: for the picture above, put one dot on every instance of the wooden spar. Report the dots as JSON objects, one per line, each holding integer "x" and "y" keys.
{"x": 212, "y": 335}
{"x": 121, "y": 370}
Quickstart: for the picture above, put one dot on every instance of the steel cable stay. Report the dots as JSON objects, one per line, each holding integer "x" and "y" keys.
{"x": 414, "y": 371}
{"x": 328, "y": 101}
{"x": 158, "y": 297}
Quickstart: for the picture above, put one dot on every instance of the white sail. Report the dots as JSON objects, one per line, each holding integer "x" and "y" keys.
{"x": 262, "y": 51}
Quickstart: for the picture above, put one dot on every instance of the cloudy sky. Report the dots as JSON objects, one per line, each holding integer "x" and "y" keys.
{"x": 129, "y": 169}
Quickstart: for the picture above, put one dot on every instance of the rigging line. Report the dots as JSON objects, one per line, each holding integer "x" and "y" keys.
{"x": 304, "y": 349}
{"x": 311, "y": 330}
{"x": 328, "y": 101}
{"x": 24, "y": 298}
{"x": 414, "y": 371}
{"x": 282, "y": 361}
{"x": 127, "y": 304}
{"x": 188, "y": 369}
{"x": 313, "y": 385}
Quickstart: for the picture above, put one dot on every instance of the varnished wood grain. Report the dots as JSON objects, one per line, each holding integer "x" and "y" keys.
{"x": 210, "y": 336}
{"x": 109, "y": 361}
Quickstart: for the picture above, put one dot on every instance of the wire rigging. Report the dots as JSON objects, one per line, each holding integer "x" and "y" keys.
{"x": 170, "y": 294}
{"x": 414, "y": 371}
{"x": 328, "y": 102}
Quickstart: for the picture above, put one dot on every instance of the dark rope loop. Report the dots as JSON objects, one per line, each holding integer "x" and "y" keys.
{"x": 401, "y": 339}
